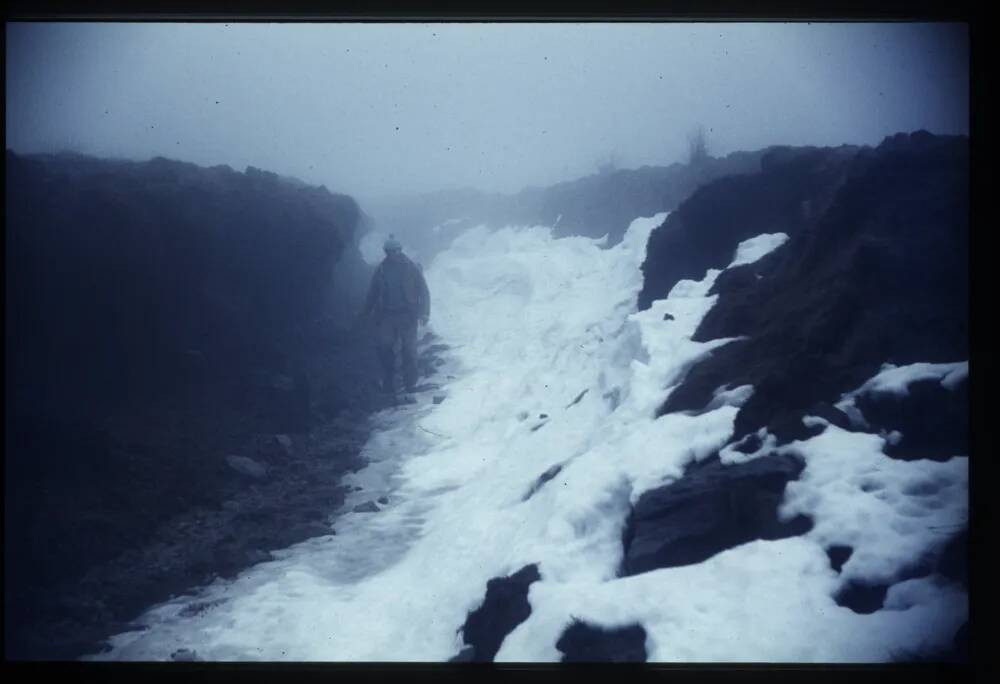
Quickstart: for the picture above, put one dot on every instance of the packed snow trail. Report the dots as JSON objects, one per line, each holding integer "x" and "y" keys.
{"x": 551, "y": 365}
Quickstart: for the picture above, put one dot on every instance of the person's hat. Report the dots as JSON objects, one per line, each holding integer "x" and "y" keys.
{"x": 392, "y": 244}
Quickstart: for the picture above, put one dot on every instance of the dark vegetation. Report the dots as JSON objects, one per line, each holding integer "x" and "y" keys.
{"x": 162, "y": 319}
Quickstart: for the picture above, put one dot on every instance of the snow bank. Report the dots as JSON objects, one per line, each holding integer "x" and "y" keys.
{"x": 890, "y": 512}
{"x": 534, "y": 323}
{"x": 896, "y": 380}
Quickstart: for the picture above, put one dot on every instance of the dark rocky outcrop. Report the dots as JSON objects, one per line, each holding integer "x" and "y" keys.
{"x": 164, "y": 323}
{"x": 932, "y": 419}
{"x": 585, "y": 643}
{"x": 875, "y": 271}
{"x": 504, "y": 608}
{"x": 713, "y": 507}
{"x": 791, "y": 188}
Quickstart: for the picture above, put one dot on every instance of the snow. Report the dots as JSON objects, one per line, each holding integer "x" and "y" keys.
{"x": 533, "y": 322}
{"x": 730, "y": 455}
{"x": 896, "y": 380}
{"x": 890, "y": 512}
{"x": 753, "y": 249}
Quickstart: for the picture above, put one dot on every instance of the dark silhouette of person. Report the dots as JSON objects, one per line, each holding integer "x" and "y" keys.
{"x": 398, "y": 298}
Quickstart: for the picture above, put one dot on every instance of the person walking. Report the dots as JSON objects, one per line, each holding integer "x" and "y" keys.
{"x": 398, "y": 299}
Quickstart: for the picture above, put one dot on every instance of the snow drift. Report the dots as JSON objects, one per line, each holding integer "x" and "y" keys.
{"x": 546, "y": 439}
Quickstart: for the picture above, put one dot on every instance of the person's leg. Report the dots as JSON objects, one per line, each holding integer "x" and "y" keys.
{"x": 385, "y": 337}
{"x": 408, "y": 339}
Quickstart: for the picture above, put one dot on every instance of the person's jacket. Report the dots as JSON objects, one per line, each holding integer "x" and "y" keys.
{"x": 415, "y": 290}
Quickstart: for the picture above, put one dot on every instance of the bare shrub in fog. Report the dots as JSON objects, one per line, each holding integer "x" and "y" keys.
{"x": 697, "y": 146}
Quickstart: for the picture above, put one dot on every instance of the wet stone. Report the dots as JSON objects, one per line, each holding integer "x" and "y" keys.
{"x": 862, "y": 598}
{"x": 584, "y": 643}
{"x": 838, "y": 555}
{"x": 504, "y": 607}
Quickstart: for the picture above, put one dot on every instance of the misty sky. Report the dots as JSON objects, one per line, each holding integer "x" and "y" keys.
{"x": 384, "y": 109}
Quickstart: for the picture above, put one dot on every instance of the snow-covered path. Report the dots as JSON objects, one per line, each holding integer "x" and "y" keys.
{"x": 552, "y": 367}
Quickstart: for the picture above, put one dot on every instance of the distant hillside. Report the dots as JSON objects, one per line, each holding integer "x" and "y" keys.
{"x": 593, "y": 206}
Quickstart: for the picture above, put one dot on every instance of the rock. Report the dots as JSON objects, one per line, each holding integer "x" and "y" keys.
{"x": 466, "y": 655}
{"x": 542, "y": 479}
{"x": 584, "y": 643}
{"x": 383, "y": 500}
{"x": 438, "y": 398}
{"x": 862, "y": 598}
{"x": 933, "y": 420}
{"x": 189, "y": 257}
{"x": 280, "y": 382}
{"x": 366, "y": 507}
{"x": 668, "y": 317}
{"x": 704, "y": 230}
{"x": 713, "y": 507}
{"x": 839, "y": 555}
{"x": 246, "y": 466}
{"x": 254, "y": 556}
{"x": 854, "y": 287}
{"x": 504, "y": 608}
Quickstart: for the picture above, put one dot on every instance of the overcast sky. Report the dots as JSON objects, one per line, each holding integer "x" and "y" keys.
{"x": 382, "y": 109}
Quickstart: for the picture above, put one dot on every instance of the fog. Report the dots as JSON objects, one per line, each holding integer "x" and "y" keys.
{"x": 387, "y": 109}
